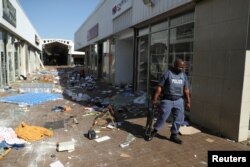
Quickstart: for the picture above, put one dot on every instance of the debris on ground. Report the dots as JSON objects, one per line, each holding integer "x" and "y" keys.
{"x": 56, "y": 164}
{"x": 209, "y": 140}
{"x": 188, "y": 130}
{"x": 128, "y": 140}
{"x": 54, "y": 124}
{"x": 101, "y": 139}
{"x": 125, "y": 155}
{"x": 66, "y": 146}
{"x": 65, "y": 108}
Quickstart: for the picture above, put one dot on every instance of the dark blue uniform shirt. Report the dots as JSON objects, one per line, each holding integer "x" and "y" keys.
{"x": 173, "y": 84}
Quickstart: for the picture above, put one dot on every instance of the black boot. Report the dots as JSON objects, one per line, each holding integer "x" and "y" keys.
{"x": 175, "y": 139}
{"x": 153, "y": 133}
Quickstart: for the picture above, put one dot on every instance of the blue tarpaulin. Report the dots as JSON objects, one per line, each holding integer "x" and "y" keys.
{"x": 31, "y": 98}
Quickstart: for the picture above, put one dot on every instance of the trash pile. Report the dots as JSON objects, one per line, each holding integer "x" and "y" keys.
{"x": 109, "y": 107}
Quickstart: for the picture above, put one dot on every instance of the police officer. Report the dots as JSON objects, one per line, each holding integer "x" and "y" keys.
{"x": 174, "y": 87}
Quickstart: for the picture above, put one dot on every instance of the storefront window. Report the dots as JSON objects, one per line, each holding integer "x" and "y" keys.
{"x": 181, "y": 46}
{"x": 168, "y": 40}
{"x": 158, "y": 56}
{"x": 143, "y": 63}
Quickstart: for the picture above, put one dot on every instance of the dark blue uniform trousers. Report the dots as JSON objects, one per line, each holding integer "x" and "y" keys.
{"x": 177, "y": 109}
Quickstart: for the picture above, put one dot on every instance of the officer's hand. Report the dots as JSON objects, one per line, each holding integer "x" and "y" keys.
{"x": 187, "y": 106}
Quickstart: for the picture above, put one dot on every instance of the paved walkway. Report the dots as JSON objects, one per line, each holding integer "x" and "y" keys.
{"x": 158, "y": 152}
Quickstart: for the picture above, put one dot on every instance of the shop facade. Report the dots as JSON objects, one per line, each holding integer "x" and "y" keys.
{"x": 20, "y": 46}
{"x": 147, "y": 36}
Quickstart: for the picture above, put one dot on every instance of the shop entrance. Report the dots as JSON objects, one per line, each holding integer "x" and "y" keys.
{"x": 55, "y": 53}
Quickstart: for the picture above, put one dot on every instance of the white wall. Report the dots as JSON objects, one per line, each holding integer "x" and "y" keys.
{"x": 103, "y": 16}
{"x": 142, "y": 12}
{"x": 245, "y": 103}
{"x": 134, "y": 15}
{"x": 24, "y": 28}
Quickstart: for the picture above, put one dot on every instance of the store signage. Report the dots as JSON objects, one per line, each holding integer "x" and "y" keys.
{"x": 9, "y": 12}
{"x": 93, "y": 32}
{"x": 121, "y": 7}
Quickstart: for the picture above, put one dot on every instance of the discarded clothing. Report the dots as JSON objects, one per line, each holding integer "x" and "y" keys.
{"x": 5, "y": 145}
{"x": 10, "y": 137}
{"x": 32, "y": 133}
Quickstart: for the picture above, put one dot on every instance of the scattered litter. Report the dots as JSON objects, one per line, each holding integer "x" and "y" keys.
{"x": 128, "y": 140}
{"x": 89, "y": 109}
{"x": 119, "y": 123}
{"x": 125, "y": 155}
{"x": 209, "y": 140}
{"x": 65, "y": 108}
{"x": 4, "y": 153}
{"x": 90, "y": 113}
{"x": 91, "y": 134}
{"x": 54, "y": 125}
{"x": 188, "y": 130}
{"x": 21, "y": 77}
{"x": 195, "y": 156}
{"x": 57, "y": 109}
{"x": 230, "y": 140}
{"x": 81, "y": 97}
{"x": 101, "y": 139}
{"x": 56, "y": 164}
{"x": 66, "y": 146}
{"x": 203, "y": 163}
{"x": 111, "y": 126}
{"x": 22, "y": 105}
{"x": 75, "y": 120}
{"x": 141, "y": 99}
{"x": 53, "y": 156}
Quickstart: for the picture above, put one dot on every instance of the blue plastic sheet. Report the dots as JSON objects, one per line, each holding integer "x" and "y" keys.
{"x": 31, "y": 98}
